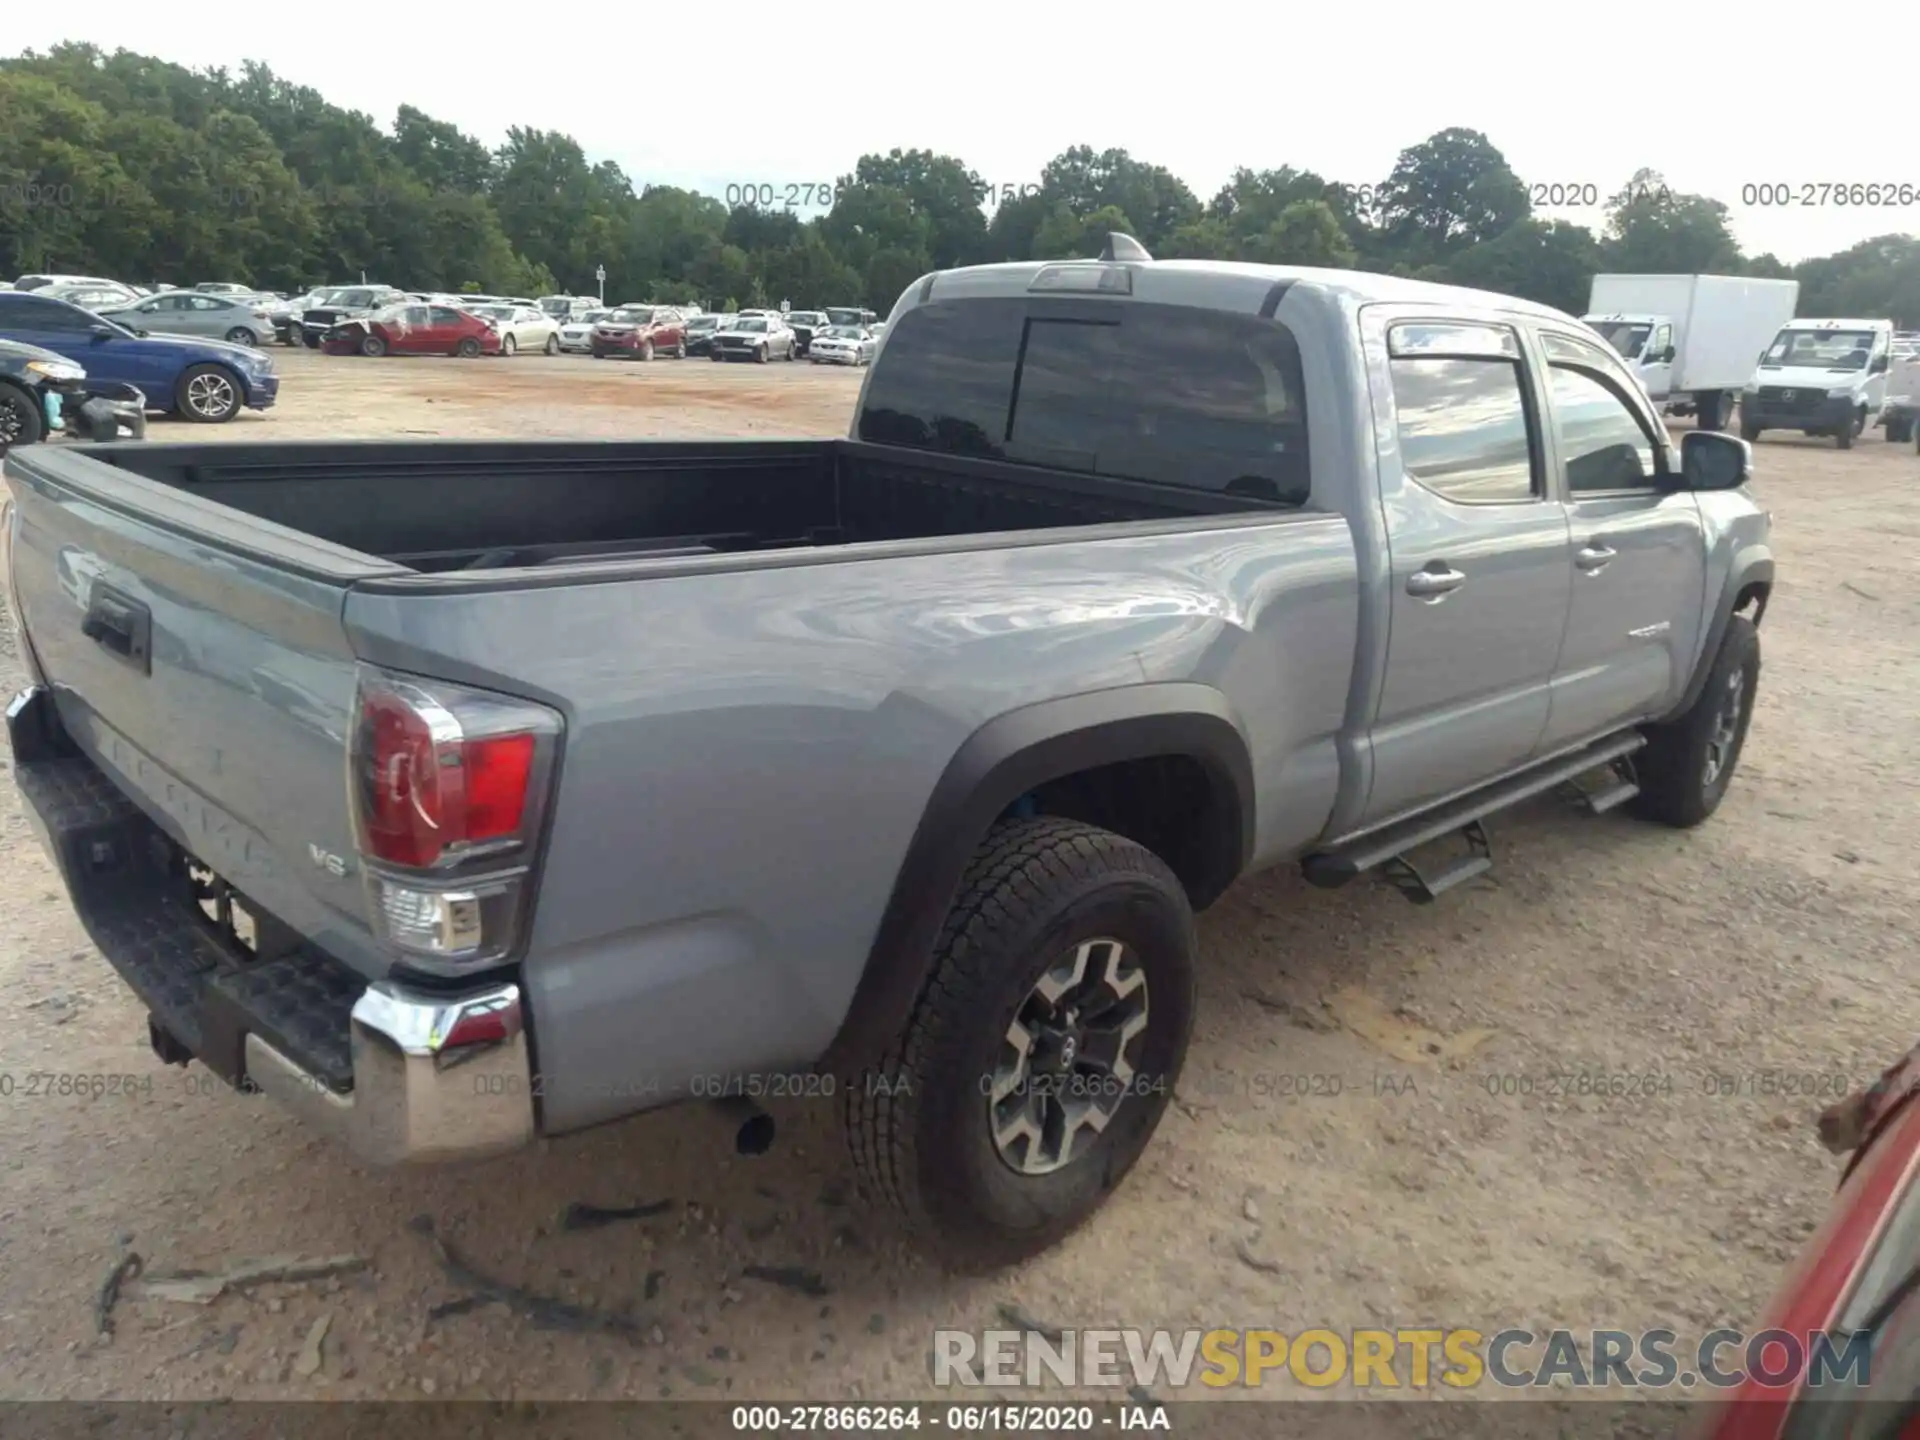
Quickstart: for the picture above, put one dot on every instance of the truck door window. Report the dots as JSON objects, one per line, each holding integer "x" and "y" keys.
{"x": 1602, "y": 444}
{"x": 1662, "y": 338}
{"x": 1462, "y": 416}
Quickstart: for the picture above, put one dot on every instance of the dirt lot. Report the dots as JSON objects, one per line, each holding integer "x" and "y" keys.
{"x": 1777, "y": 939}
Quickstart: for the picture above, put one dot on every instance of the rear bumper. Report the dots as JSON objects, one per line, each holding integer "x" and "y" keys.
{"x": 367, "y": 1063}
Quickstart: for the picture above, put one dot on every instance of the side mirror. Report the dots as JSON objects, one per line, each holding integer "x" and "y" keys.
{"x": 1879, "y": 365}
{"x": 100, "y": 332}
{"x": 1712, "y": 461}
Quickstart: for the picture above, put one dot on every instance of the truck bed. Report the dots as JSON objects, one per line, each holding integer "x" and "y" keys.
{"x": 438, "y": 506}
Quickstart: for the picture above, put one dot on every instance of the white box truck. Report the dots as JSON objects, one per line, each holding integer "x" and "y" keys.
{"x": 1692, "y": 340}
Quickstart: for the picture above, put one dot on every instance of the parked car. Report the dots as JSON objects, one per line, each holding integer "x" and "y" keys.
{"x": 1084, "y": 661}
{"x": 285, "y": 315}
{"x": 243, "y": 320}
{"x": 700, "y": 332}
{"x": 576, "y": 334}
{"x": 91, "y": 295}
{"x": 40, "y": 282}
{"x": 843, "y": 345}
{"x": 754, "y": 337}
{"x": 805, "y": 324}
{"x": 37, "y": 388}
{"x": 414, "y": 329}
{"x": 1820, "y": 377}
{"x": 208, "y": 381}
{"x": 1851, "y": 1292}
{"x": 636, "y": 332}
{"x": 569, "y": 307}
{"x": 224, "y": 287}
{"x": 345, "y": 303}
{"x": 522, "y": 327}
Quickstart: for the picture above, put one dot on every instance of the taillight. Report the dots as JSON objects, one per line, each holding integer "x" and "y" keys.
{"x": 449, "y": 790}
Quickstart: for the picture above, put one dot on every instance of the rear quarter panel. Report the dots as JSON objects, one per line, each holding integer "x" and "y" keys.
{"x": 748, "y": 754}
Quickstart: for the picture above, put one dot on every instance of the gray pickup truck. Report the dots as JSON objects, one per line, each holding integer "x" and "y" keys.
{"x": 460, "y": 793}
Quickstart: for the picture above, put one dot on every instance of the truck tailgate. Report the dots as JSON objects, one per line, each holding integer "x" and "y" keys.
{"x": 197, "y": 657}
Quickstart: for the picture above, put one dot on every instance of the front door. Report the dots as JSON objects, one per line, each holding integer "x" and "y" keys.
{"x": 1638, "y": 562}
{"x": 1656, "y": 367}
{"x": 1478, "y": 550}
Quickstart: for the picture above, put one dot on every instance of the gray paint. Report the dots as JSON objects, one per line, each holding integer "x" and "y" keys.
{"x": 750, "y": 745}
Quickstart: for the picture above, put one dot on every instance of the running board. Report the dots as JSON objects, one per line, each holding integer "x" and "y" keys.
{"x": 1331, "y": 868}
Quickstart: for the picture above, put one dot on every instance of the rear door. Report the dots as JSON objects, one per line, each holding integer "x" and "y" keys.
{"x": 1478, "y": 545}
{"x": 412, "y": 333}
{"x": 1637, "y": 566}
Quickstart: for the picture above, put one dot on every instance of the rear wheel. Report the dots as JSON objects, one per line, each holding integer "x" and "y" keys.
{"x": 467, "y": 348}
{"x": 373, "y": 345}
{"x": 1710, "y": 411}
{"x": 207, "y": 395}
{"x": 21, "y": 422}
{"x": 241, "y": 335}
{"x": 1062, "y": 990}
{"x": 1899, "y": 431}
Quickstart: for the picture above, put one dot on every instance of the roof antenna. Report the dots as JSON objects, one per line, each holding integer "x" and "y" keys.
{"x": 1123, "y": 247}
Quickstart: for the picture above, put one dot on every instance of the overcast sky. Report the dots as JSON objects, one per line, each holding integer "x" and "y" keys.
{"x": 799, "y": 90}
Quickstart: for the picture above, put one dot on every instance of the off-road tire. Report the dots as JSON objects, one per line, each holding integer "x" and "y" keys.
{"x": 917, "y": 1120}
{"x": 1671, "y": 770}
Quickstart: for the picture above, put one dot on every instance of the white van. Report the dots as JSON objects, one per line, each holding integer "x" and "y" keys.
{"x": 1820, "y": 377}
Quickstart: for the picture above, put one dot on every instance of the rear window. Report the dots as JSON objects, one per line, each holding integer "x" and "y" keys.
{"x": 1202, "y": 399}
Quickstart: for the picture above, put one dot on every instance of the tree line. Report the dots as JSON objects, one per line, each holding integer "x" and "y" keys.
{"x": 133, "y": 167}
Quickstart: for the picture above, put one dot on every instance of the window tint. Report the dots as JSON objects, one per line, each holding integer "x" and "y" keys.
{"x": 1174, "y": 396}
{"x": 44, "y": 316}
{"x": 1463, "y": 428}
{"x": 1601, "y": 443}
{"x": 443, "y": 316}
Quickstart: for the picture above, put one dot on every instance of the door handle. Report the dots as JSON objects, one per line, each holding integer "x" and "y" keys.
{"x": 1434, "y": 585}
{"x": 1594, "y": 557}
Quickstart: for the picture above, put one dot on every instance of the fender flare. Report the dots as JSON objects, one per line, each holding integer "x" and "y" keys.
{"x": 1756, "y": 569}
{"x": 1004, "y": 760}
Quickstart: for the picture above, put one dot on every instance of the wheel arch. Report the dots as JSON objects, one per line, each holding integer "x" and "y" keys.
{"x": 1085, "y": 748}
{"x": 1748, "y": 589}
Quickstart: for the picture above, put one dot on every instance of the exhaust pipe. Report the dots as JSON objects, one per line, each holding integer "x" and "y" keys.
{"x": 752, "y": 1127}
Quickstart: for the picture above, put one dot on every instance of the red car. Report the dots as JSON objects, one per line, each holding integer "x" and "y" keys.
{"x": 414, "y": 329}
{"x": 1857, "y": 1284}
{"x": 639, "y": 331}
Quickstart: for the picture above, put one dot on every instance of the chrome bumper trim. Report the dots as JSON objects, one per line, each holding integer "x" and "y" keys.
{"x": 414, "y": 1101}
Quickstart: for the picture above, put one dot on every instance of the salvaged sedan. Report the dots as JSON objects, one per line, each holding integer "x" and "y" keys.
{"x": 414, "y": 330}
{"x": 843, "y": 345}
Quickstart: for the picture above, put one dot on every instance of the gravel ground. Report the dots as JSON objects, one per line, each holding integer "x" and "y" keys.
{"x": 1472, "y": 1186}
